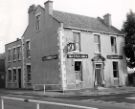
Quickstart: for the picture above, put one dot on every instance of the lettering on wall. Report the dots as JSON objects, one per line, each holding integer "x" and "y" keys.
{"x": 77, "y": 56}
{"x": 114, "y": 57}
{"x": 49, "y": 57}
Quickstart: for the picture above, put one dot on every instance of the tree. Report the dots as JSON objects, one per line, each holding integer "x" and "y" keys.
{"x": 129, "y": 31}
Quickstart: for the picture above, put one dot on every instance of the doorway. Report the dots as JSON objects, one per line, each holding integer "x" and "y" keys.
{"x": 98, "y": 75}
{"x": 78, "y": 70}
{"x": 19, "y": 78}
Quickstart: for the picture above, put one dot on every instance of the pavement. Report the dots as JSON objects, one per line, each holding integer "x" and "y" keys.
{"x": 88, "y": 92}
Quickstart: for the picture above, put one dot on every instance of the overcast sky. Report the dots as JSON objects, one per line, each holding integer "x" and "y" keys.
{"x": 14, "y": 17}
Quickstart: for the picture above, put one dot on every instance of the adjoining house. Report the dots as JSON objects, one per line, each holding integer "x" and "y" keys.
{"x": 13, "y": 63}
{"x": 67, "y": 51}
{"x": 2, "y": 70}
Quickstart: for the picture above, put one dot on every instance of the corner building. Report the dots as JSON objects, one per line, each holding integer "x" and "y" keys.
{"x": 67, "y": 51}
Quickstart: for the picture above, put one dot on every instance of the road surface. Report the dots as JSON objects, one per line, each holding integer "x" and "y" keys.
{"x": 15, "y": 104}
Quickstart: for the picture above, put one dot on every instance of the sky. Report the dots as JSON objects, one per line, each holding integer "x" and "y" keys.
{"x": 14, "y": 13}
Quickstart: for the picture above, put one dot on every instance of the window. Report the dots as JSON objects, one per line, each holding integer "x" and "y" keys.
{"x": 9, "y": 75}
{"x": 113, "y": 45}
{"x": 28, "y": 49}
{"x": 14, "y": 54}
{"x": 19, "y": 53}
{"x": 28, "y": 73}
{"x": 78, "y": 70}
{"x": 97, "y": 43}
{"x": 115, "y": 70}
{"x": 37, "y": 22}
{"x": 9, "y": 55}
{"x": 14, "y": 75}
{"x": 76, "y": 36}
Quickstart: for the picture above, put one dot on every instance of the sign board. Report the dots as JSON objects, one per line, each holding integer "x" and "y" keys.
{"x": 77, "y": 56}
{"x": 114, "y": 57}
{"x": 49, "y": 57}
{"x": 70, "y": 47}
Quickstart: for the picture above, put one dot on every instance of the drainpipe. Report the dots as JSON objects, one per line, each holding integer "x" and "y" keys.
{"x": 23, "y": 61}
{"x": 62, "y": 56}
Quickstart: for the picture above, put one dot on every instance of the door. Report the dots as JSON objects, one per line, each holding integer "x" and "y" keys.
{"x": 19, "y": 78}
{"x": 98, "y": 75}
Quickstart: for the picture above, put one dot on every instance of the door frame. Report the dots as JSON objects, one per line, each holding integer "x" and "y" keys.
{"x": 19, "y": 78}
{"x": 102, "y": 74}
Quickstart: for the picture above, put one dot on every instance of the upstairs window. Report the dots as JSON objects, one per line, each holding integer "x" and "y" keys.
{"x": 19, "y": 53}
{"x": 115, "y": 70}
{"x": 14, "y": 54}
{"x": 97, "y": 43}
{"x": 28, "y": 49}
{"x": 9, "y": 55}
{"x": 37, "y": 22}
{"x": 113, "y": 45}
{"x": 77, "y": 41}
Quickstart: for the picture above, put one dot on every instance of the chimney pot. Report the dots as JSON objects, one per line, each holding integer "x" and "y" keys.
{"x": 107, "y": 19}
{"x": 49, "y": 7}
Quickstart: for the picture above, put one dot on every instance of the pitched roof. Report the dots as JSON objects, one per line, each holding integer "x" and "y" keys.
{"x": 83, "y": 22}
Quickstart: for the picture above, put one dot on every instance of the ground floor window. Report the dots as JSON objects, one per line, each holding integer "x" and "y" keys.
{"x": 115, "y": 70}
{"x": 9, "y": 75}
{"x": 78, "y": 70}
{"x": 28, "y": 73}
{"x": 14, "y": 75}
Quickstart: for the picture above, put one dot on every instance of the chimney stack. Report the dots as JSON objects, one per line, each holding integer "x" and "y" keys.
{"x": 107, "y": 19}
{"x": 49, "y": 7}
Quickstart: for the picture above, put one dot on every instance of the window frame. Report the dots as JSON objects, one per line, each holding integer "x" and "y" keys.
{"x": 115, "y": 70}
{"x": 19, "y": 52}
{"x": 28, "y": 49}
{"x": 77, "y": 42}
{"x": 28, "y": 73}
{"x": 14, "y": 53}
{"x": 14, "y": 74}
{"x": 37, "y": 17}
{"x": 9, "y": 54}
{"x": 97, "y": 44}
{"x": 10, "y": 78}
{"x": 113, "y": 47}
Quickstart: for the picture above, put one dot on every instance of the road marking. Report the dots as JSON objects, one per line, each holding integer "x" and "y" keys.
{"x": 47, "y": 102}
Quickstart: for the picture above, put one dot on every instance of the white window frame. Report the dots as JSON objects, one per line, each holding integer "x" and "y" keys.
{"x": 78, "y": 32}
{"x": 115, "y": 48}
{"x": 97, "y": 44}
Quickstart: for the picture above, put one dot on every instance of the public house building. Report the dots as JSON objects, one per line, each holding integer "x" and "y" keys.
{"x": 66, "y": 51}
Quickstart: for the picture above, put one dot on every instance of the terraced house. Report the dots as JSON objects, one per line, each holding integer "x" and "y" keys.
{"x": 67, "y": 51}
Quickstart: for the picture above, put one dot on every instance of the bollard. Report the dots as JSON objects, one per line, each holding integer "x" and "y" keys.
{"x": 2, "y": 103}
{"x": 38, "y": 106}
{"x": 44, "y": 89}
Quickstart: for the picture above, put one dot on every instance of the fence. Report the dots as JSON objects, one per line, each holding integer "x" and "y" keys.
{"x": 38, "y": 102}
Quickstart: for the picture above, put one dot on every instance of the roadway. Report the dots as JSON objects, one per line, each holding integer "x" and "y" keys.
{"x": 98, "y": 102}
